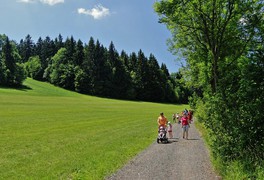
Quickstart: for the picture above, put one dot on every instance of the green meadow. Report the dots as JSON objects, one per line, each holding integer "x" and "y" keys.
{"x": 50, "y": 133}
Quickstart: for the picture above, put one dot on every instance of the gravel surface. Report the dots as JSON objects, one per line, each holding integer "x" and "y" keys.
{"x": 180, "y": 159}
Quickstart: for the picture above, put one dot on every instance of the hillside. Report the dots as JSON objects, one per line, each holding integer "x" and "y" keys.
{"x": 49, "y": 132}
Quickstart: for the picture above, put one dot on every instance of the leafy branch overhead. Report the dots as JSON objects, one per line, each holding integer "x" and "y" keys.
{"x": 214, "y": 33}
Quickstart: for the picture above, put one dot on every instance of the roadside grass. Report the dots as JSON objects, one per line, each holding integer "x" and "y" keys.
{"x": 205, "y": 135}
{"x": 50, "y": 133}
{"x": 233, "y": 170}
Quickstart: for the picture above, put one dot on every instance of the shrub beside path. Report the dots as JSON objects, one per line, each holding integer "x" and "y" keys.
{"x": 180, "y": 159}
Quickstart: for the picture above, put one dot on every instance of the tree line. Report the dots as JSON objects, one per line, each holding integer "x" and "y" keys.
{"x": 223, "y": 44}
{"x": 90, "y": 69}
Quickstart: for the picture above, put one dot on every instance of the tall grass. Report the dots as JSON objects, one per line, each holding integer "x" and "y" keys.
{"x": 50, "y": 133}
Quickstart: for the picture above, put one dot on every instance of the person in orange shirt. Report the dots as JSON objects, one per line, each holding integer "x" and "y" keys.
{"x": 162, "y": 120}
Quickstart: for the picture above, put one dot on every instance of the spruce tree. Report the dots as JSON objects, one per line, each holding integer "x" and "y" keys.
{"x": 26, "y": 48}
{"x": 14, "y": 71}
{"x": 79, "y": 53}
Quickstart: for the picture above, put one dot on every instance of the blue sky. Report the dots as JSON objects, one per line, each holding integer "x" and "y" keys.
{"x": 130, "y": 24}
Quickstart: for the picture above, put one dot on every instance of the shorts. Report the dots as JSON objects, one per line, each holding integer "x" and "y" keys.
{"x": 185, "y": 128}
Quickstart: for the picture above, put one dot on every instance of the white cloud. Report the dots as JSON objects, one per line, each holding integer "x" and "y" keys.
{"x": 26, "y": 1}
{"x": 97, "y": 12}
{"x": 52, "y": 2}
{"x": 49, "y": 2}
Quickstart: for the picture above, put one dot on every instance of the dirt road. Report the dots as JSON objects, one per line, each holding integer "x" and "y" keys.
{"x": 180, "y": 159}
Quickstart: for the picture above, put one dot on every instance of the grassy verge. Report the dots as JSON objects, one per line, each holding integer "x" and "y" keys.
{"x": 50, "y": 133}
{"x": 233, "y": 170}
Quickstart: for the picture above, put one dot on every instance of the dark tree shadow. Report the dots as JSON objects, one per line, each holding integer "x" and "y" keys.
{"x": 18, "y": 87}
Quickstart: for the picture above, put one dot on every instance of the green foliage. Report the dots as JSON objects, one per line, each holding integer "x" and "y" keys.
{"x": 92, "y": 69}
{"x": 26, "y": 48}
{"x": 82, "y": 81}
{"x": 206, "y": 32}
{"x": 33, "y": 67}
{"x": 3, "y": 75}
{"x": 183, "y": 91}
{"x": 260, "y": 172}
{"x": 230, "y": 169}
{"x": 12, "y": 73}
{"x": 61, "y": 71}
{"x": 20, "y": 74}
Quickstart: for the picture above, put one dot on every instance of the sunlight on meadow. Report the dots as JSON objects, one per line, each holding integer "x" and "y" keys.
{"x": 48, "y": 132}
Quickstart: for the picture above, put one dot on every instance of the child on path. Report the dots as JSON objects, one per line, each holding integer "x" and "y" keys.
{"x": 170, "y": 130}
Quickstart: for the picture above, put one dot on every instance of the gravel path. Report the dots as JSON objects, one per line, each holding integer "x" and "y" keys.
{"x": 180, "y": 159}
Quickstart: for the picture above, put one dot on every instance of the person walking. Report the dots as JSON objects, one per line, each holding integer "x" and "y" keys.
{"x": 162, "y": 120}
{"x": 185, "y": 125}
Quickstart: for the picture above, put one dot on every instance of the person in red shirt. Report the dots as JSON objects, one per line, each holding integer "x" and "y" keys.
{"x": 185, "y": 125}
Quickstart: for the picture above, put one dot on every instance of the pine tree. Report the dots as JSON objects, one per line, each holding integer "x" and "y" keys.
{"x": 101, "y": 70}
{"x": 9, "y": 61}
{"x": 89, "y": 66}
{"x": 14, "y": 71}
{"x": 140, "y": 75}
{"x": 121, "y": 81}
{"x": 3, "y": 76}
{"x": 26, "y": 48}
{"x": 156, "y": 92}
{"x": 70, "y": 45}
{"x": 58, "y": 42}
{"x": 47, "y": 51}
{"x": 132, "y": 66}
{"x": 79, "y": 53}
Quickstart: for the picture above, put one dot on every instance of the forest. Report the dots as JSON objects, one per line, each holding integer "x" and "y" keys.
{"x": 90, "y": 69}
{"x": 223, "y": 44}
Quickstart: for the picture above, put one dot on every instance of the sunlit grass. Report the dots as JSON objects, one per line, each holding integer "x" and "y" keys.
{"x": 50, "y": 133}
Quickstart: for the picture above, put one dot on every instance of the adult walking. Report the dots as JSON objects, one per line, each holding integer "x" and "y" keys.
{"x": 162, "y": 120}
{"x": 185, "y": 125}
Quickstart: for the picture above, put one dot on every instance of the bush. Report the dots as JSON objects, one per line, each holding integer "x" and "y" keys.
{"x": 33, "y": 67}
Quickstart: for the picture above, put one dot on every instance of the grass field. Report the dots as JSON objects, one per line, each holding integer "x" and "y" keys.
{"x": 50, "y": 133}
